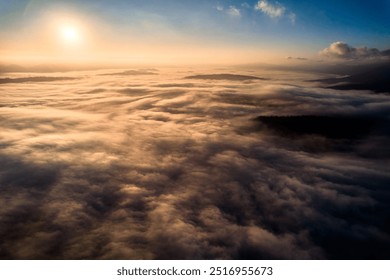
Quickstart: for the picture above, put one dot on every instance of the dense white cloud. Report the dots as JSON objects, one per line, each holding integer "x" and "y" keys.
{"x": 344, "y": 51}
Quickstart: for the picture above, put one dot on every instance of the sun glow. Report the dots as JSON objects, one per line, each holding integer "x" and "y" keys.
{"x": 66, "y": 36}
{"x": 70, "y": 34}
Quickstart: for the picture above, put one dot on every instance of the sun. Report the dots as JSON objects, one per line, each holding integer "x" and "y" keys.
{"x": 70, "y": 34}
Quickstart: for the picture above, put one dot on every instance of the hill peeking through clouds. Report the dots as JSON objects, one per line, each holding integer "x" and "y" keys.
{"x": 191, "y": 163}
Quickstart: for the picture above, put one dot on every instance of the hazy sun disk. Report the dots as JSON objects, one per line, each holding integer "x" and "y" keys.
{"x": 70, "y": 34}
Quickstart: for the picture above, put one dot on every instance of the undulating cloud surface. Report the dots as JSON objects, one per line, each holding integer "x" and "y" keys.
{"x": 129, "y": 165}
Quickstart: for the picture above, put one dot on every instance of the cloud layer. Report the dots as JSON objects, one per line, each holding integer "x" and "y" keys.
{"x": 162, "y": 167}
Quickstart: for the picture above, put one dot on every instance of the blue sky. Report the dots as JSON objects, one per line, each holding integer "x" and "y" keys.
{"x": 287, "y": 27}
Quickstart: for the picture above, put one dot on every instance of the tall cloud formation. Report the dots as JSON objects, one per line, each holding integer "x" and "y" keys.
{"x": 163, "y": 167}
{"x": 342, "y": 50}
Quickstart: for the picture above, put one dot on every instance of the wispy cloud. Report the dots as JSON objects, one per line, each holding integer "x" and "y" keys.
{"x": 234, "y": 12}
{"x": 296, "y": 58}
{"x": 292, "y": 17}
{"x": 245, "y": 5}
{"x": 231, "y": 11}
{"x": 273, "y": 11}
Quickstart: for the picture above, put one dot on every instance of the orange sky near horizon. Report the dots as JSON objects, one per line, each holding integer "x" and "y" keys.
{"x": 71, "y": 37}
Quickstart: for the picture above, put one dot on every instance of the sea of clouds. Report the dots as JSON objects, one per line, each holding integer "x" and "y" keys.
{"x": 146, "y": 164}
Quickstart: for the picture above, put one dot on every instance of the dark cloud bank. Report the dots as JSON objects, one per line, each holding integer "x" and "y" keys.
{"x": 229, "y": 77}
{"x": 149, "y": 167}
{"x": 375, "y": 79}
{"x": 36, "y": 79}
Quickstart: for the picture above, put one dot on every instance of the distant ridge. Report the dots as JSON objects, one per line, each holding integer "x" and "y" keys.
{"x": 34, "y": 79}
{"x": 337, "y": 127}
{"x": 131, "y": 73}
{"x": 377, "y": 80}
{"x": 231, "y": 77}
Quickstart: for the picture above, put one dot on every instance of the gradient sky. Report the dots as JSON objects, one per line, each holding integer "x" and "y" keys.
{"x": 173, "y": 29}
